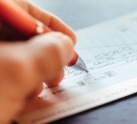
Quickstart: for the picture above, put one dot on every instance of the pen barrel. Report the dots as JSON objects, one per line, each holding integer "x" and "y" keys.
{"x": 14, "y": 15}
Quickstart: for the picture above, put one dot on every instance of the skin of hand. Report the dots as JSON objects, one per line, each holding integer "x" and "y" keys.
{"x": 25, "y": 64}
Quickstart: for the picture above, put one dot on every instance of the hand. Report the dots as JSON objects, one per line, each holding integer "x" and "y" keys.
{"x": 25, "y": 64}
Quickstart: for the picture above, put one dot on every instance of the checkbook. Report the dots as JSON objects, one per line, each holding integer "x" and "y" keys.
{"x": 109, "y": 50}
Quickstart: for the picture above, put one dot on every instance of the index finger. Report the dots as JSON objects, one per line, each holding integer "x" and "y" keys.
{"x": 51, "y": 21}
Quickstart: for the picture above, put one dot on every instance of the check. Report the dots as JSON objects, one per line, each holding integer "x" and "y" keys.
{"x": 109, "y": 50}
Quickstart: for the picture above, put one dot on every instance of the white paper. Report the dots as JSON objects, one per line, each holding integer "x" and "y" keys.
{"x": 109, "y": 50}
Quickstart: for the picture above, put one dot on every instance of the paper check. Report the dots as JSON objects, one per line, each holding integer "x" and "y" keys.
{"x": 110, "y": 52}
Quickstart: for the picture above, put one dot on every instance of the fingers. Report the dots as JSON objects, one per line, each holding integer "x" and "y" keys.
{"x": 52, "y": 21}
{"x": 24, "y": 64}
{"x": 48, "y": 19}
{"x": 50, "y": 53}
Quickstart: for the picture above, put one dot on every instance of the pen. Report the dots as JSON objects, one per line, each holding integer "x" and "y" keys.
{"x": 14, "y": 15}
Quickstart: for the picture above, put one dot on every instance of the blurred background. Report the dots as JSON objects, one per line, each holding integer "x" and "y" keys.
{"x": 83, "y": 13}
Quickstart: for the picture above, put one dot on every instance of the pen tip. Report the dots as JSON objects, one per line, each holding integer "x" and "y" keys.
{"x": 80, "y": 65}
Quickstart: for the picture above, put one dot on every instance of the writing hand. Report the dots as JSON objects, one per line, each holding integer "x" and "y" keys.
{"x": 25, "y": 64}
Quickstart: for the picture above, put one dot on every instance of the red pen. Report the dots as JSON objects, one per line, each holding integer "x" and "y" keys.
{"x": 18, "y": 18}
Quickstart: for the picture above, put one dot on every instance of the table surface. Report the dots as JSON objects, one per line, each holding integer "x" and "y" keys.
{"x": 83, "y": 13}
